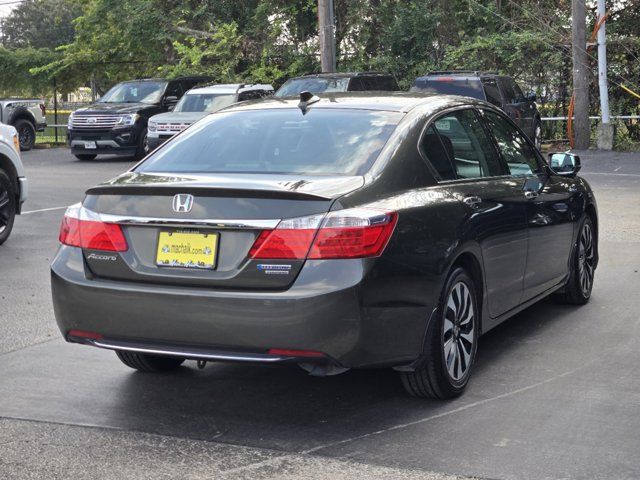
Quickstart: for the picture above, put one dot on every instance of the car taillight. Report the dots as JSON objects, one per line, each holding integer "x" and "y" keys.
{"x": 76, "y": 231}
{"x": 351, "y": 233}
{"x": 43, "y": 109}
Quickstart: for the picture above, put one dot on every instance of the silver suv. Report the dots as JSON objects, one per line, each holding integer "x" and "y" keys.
{"x": 198, "y": 103}
{"x": 28, "y": 116}
{"x": 13, "y": 182}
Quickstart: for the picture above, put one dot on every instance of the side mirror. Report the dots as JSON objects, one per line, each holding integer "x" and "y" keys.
{"x": 532, "y": 97}
{"x": 170, "y": 101}
{"x": 564, "y": 164}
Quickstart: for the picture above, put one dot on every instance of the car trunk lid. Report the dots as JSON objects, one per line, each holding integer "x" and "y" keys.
{"x": 231, "y": 210}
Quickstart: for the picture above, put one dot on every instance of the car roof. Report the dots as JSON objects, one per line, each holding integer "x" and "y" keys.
{"x": 402, "y": 102}
{"x": 344, "y": 75}
{"x": 229, "y": 88}
{"x": 460, "y": 74}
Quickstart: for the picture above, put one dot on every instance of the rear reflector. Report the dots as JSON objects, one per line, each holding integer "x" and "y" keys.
{"x": 83, "y": 334}
{"x": 91, "y": 234}
{"x": 351, "y": 233}
{"x": 294, "y": 353}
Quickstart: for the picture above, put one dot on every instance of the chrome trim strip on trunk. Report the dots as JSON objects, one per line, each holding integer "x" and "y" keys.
{"x": 191, "y": 353}
{"x": 86, "y": 214}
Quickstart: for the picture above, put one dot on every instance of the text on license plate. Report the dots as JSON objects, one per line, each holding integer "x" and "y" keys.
{"x": 90, "y": 145}
{"x": 187, "y": 249}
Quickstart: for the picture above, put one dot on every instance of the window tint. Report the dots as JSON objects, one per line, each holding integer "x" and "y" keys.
{"x": 492, "y": 91}
{"x": 436, "y": 152}
{"x": 519, "y": 155}
{"x": 463, "y": 136}
{"x": 469, "y": 87}
{"x": 512, "y": 92}
{"x": 174, "y": 90}
{"x": 329, "y": 141}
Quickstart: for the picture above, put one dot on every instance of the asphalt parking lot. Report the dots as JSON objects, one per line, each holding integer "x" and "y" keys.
{"x": 555, "y": 393}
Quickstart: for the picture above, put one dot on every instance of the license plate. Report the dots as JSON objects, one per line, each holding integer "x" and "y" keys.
{"x": 90, "y": 145}
{"x": 187, "y": 249}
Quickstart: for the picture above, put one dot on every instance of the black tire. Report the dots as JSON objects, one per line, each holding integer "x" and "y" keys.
{"x": 8, "y": 206}
{"x": 26, "y": 134}
{"x": 433, "y": 379}
{"x": 149, "y": 363}
{"x": 143, "y": 145}
{"x": 85, "y": 157}
{"x": 582, "y": 262}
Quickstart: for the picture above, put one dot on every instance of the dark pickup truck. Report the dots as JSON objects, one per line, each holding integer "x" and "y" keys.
{"x": 117, "y": 123}
{"x": 501, "y": 90}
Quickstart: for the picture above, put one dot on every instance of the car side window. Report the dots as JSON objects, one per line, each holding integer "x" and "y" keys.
{"x": 174, "y": 89}
{"x": 492, "y": 92}
{"x": 436, "y": 152}
{"x": 517, "y": 152}
{"x": 468, "y": 145}
{"x": 512, "y": 92}
{"x": 356, "y": 85}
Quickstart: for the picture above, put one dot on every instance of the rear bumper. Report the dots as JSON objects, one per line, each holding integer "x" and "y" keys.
{"x": 323, "y": 312}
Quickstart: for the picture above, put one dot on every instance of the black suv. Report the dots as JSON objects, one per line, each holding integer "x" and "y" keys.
{"x": 501, "y": 90}
{"x": 338, "y": 82}
{"x": 117, "y": 123}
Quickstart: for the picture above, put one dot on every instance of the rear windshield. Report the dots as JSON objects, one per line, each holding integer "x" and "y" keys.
{"x": 293, "y": 87}
{"x": 204, "y": 102}
{"x": 322, "y": 142}
{"x": 467, "y": 87}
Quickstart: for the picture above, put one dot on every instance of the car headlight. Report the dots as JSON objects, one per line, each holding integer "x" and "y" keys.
{"x": 127, "y": 120}
{"x": 152, "y": 126}
{"x": 70, "y": 122}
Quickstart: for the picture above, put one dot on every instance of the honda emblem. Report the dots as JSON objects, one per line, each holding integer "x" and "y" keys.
{"x": 182, "y": 203}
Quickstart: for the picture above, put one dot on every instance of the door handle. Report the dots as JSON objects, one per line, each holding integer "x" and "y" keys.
{"x": 472, "y": 201}
{"x": 530, "y": 194}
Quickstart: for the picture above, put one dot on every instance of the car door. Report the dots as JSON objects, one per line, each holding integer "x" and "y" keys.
{"x": 461, "y": 151}
{"x": 519, "y": 109}
{"x": 548, "y": 202}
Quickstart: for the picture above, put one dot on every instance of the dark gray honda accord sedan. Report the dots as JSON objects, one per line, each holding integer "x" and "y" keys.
{"x": 351, "y": 231}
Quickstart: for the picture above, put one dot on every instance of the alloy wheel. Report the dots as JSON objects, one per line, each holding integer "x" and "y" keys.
{"x": 586, "y": 259}
{"x": 25, "y": 137}
{"x": 458, "y": 333}
{"x": 5, "y": 209}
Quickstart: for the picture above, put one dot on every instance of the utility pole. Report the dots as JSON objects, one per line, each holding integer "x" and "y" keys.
{"x": 581, "y": 124}
{"x": 327, "y": 36}
{"x": 605, "y": 129}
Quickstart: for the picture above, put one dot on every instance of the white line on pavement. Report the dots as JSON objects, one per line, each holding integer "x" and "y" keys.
{"x": 43, "y": 210}
{"x": 613, "y": 174}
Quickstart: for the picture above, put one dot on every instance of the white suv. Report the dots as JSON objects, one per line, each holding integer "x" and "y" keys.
{"x": 13, "y": 182}
{"x": 198, "y": 103}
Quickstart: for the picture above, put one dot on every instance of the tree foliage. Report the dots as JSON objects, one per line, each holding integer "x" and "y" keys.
{"x": 271, "y": 40}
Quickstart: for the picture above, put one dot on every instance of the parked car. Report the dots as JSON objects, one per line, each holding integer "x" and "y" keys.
{"x": 338, "y": 82}
{"x": 198, "y": 103}
{"x": 353, "y": 231}
{"x": 117, "y": 123}
{"x": 28, "y": 116}
{"x": 13, "y": 181}
{"x": 501, "y": 90}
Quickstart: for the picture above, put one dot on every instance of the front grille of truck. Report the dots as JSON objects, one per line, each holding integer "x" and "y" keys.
{"x": 172, "y": 127}
{"x": 89, "y": 122}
